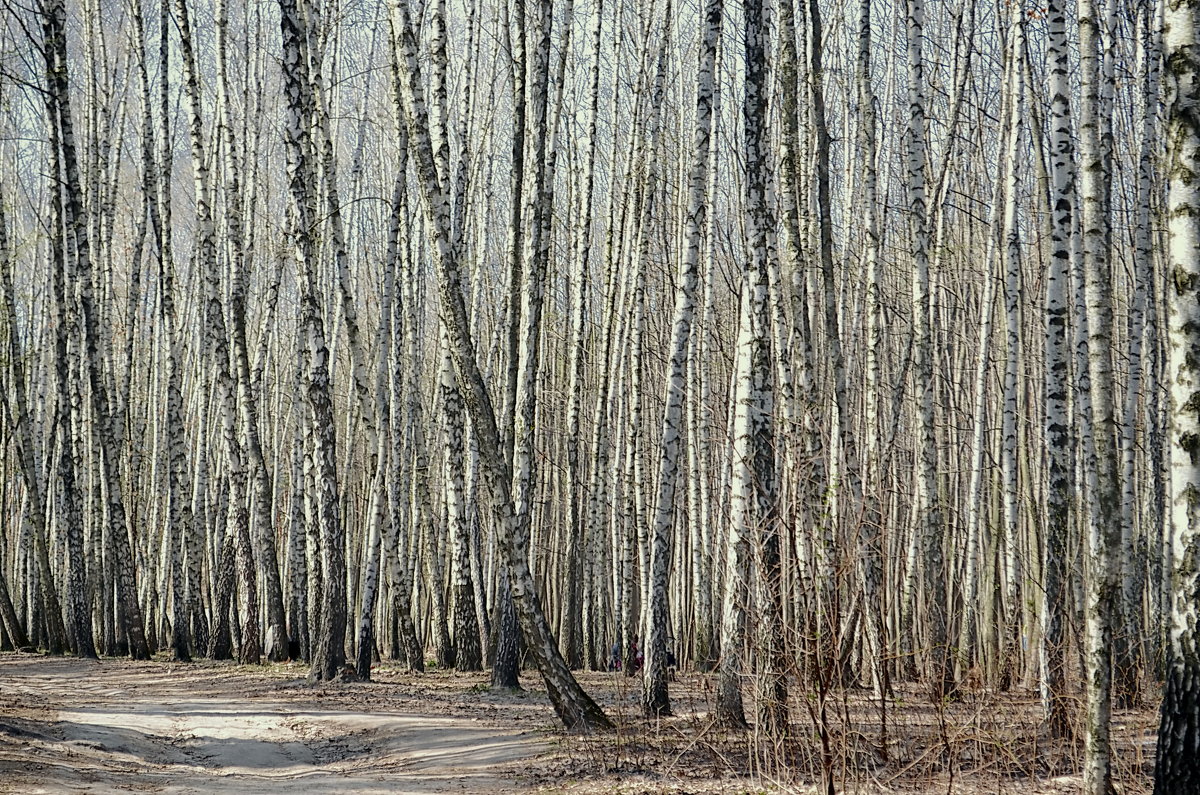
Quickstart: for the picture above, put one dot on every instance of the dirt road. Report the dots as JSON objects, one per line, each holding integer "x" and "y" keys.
{"x": 116, "y": 726}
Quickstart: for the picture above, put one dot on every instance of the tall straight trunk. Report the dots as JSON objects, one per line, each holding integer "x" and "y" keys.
{"x": 753, "y": 507}
{"x": 636, "y": 563}
{"x": 1154, "y": 483}
{"x": 870, "y": 566}
{"x": 843, "y": 453}
{"x": 378, "y": 517}
{"x": 157, "y": 188}
{"x": 655, "y": 697}
{"x": 1104, "y": 528}
{"x": 1009, "y": 623}
{"x": 505, "y": 664}
{"x": 78, "y": 630}
{"x": 581, "y": 248}
{"x": 929, "y": 526}
{"x": 399, "y": 372}
{"x": 297, "y": 564}
{"x": 79, "y": 623}
{"x": 424, "y": 522}
{"x": 1128, "y": 667}
{"x": 263, "y": 536}
{"x": 1055, "y": 701}
{"x": 467, "y": 652}
{"x": 1177, "y": 765}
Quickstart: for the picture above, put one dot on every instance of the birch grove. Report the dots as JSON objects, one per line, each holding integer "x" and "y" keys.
{"x": 797, "y": 346}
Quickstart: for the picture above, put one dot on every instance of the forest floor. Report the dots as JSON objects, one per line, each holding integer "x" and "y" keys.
{"x": 71, "y": 726}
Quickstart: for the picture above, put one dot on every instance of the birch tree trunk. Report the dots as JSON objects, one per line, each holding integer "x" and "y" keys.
{"x": 79, "y": 623}
{"x": 581, "y": 247}
{"x": 54, "y": 41}
{"x": 655, "y": 698}
{"x": 753, "y": 508}
{"x": 1127, "y": 668}
{"x": 940, "y": 672}
{"x": 263, "y": 537}
{"x": 1056, "y": 703}
{"x": 1177, "y": 765}
{"x": 1104, "y": 530}
{"x": 1011, "y": 524}
{"x": 573, "y": 706}
{"x": 329, "y": 636}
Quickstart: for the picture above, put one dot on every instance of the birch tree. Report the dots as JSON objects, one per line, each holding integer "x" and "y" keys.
{"x": 655, "y": 698}
{"x": 1104, "y": 531}
{"x": 1058, "y": 432}
{"x": 574, "y": 707}
{"x": 941, "y": 674}
{"x": 329, "y": 634}
{"x": 1177, "y": 766}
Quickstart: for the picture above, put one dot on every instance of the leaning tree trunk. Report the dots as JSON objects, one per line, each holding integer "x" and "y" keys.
{"x": 573, "y": 706}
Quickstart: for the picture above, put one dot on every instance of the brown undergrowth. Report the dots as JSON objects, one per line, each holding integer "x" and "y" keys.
{"x": 981, "y": 742}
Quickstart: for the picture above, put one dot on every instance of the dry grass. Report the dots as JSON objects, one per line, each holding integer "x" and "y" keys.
{"x": 983, "y": 742}
{"x": 68, "y": 725}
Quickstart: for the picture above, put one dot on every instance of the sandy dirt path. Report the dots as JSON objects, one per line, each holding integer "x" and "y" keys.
{"x": 116, "y": 726}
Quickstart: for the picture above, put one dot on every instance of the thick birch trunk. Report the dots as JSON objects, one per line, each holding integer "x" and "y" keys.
{"x": 1177, "y": 767}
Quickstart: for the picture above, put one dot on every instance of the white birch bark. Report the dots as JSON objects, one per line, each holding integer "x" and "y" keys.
{"x": 1058, "y": 429}
{"x": 1012, "y": 316}
{"x": 581, "y": 247}
{"x": 1104, "y": 531}
{"x": 752, "y": 487}
{"x": 329, "y": 640}
{"x": 655, "y": 697}
{"x": 80, "y": 280}
{"x": 573, "y": 706}
{"x": 1177, "y": 765}
{"x": 1127, "y": 668}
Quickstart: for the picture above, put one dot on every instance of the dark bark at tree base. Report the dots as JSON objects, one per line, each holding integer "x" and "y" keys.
{"x": 506, "y": 658}
{"x": 1177, "y": 763}
{"x": 8, "y": 615}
